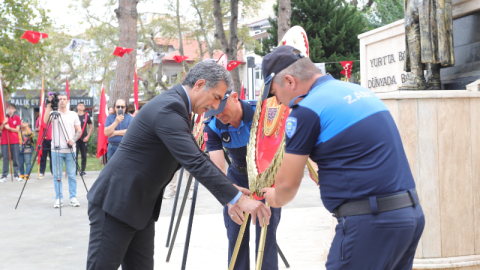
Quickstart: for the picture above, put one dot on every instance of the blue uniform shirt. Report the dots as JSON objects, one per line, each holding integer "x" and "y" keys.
{"x": 218, "y": 135}
{"x": 350, "y": 134}
{"x": 122, "y": 125}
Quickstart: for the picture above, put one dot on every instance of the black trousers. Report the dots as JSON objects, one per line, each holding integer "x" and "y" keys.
{"x": 113, "y": 243}
{"x": 46, "y": 145}
{"x": 82, "y": 148}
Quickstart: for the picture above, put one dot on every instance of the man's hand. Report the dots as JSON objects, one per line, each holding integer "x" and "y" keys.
{"x": 243, "y": 190}
{"x": 86, "y": 138}
{"x": 7, "y": 126}
{"x": 236, "y": 214}
{"x": 113, "y": 134}
{"x": 256, "y": 209}
{"x": 71, "y": 142}
{"x": 5, "y": 121}
{"x": 119, "y": 118}
{"x": 269, "y": 195}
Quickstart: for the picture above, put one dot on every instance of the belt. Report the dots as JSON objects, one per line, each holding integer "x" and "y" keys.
{"x": 376, "y": 205}
{"x": 242, "y": 170}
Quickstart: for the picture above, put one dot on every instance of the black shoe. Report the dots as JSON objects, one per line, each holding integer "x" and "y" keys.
{"x": 83, "y": 173}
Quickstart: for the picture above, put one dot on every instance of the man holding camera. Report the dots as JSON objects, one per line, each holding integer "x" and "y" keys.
{"x": 115, "y": 126}
{"x": 64, "y": 136}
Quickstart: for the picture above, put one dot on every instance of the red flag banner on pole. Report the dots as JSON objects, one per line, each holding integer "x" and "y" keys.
{"x": 223, "y": 60}
{"x": 42, "y": 124}
{"x": 67, "y": 89}
{"x": 179, "y": 58}
{"x": 102, "y": 140}
{"x": 233, "y": 64}
{"x": 120, "y": 51}
{"x": 135, "y": 90}
{"x": 242, "y": 93}
{"x": 2, "y": 103}
{"x": 33, "y": 37}
{"x": 347, "y": 68}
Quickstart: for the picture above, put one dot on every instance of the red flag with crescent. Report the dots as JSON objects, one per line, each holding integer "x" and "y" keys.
{"x": 120, "y": 51}
{"x": 33, "y": 37}
{"x": 347, "y": 68}
{"x": 180, "y": 58}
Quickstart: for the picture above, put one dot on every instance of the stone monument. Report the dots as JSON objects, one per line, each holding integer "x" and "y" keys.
{"x": 429, "y": 42}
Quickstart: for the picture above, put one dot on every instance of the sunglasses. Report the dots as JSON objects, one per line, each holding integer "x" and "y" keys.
{"x": 120, "y": 107}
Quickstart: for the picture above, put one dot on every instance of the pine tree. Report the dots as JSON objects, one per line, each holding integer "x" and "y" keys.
{"x": 332, "y": 29}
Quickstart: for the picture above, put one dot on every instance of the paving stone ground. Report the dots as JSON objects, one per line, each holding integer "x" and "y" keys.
{"x": 35, "y": 237}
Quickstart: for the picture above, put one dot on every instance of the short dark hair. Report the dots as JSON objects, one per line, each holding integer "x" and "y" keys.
{"x": 12, "y": 105}
{"x": 81, "y": 102}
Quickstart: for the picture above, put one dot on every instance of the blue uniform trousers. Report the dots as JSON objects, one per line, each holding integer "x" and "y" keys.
{"x": 270, "y": 258}
{"x": 385, "y": 241}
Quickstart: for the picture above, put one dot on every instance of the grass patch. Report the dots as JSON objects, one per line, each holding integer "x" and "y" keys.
{"x": 93, "y": 164}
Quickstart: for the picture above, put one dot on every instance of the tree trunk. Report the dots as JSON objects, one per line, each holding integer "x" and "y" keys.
{"x": 123, "y": 81}
{"x": 229, "y": 48}
{"x": 283, "y": 20}
{"x": 180, "y": 38}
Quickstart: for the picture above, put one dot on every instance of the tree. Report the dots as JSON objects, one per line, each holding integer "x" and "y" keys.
{"x": 284, "y": 12}
{"x": 332, "y": 28}
{"x": 384, "y": 12}
{"x": 229, "y": 41}
{"x": 21, "y": 60}
{"x": 127, "y": 21}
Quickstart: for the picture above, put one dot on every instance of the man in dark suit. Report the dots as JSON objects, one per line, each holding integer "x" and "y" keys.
{"x": 125, "y": 200}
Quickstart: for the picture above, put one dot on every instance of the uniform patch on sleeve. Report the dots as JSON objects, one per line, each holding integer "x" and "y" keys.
{"x": 291, "y": 126}
{"x": 205, "y": 136}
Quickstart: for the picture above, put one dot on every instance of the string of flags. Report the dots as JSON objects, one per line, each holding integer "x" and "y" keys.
{"x": 35, "y": 37}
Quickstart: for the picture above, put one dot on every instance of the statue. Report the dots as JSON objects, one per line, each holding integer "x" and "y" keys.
{"x": 429, "y": 42}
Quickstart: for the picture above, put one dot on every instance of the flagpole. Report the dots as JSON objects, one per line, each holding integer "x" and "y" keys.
{"x": 9, "y": 153}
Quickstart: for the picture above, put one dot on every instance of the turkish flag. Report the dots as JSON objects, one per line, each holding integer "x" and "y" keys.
{"x": 33, "y": 37}
{"x": 347, "y": 68}
{"x": 41, "y": 125}
{"x": 233, "y": 64}
{"x": 120, "y": 51}
{"x": 102, "y": 140}
{"x": 2, "y": 103}
{"x": 135, "y": 90}
{"x": 179, "y": 58}
{"x": 242, "y": 93}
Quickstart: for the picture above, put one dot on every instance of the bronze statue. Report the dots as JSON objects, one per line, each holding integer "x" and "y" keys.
{"x": 429, "y": 42}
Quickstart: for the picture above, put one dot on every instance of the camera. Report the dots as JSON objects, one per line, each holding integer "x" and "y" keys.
{"x": 54, "y": 100}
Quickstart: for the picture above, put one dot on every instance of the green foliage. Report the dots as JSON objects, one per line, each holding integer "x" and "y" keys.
{"x": 384, "y": 12}
{"x": 92, "y": 143}
{"x": 332, "y": 28}
{"x": 20, "y": 59}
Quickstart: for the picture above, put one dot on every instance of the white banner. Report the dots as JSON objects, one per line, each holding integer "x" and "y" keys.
{"x": 321, "y": 66}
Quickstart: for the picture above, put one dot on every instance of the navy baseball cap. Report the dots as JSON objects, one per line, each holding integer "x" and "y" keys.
{"x": 276, "y": 61}
{"x": 221, "y": 107}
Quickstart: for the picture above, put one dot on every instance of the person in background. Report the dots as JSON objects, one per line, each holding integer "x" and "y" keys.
{"x": 111, "y": 110}
{"x": 63, "y": 148}
{"x": 26, "y": 148}
{"x": 46, "y": 151}
{"x": 115, "y": 126}
{"x": 82, "y": 142}
{"x": 10, "y": 127}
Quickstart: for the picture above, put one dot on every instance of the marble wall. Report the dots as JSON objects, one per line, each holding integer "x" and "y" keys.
{"x": 440, "y": 131}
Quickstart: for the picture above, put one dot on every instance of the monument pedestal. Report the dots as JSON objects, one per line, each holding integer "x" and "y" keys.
{"x": 440, "y": 131}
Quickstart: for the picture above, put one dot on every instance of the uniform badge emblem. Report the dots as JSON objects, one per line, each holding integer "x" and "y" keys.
{"x": 226, "y": 137}
{"x": 291, "y": 126}
{"x": 205, "y": 136}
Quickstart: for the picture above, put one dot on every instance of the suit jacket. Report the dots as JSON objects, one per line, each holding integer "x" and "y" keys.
{"x": 157, "y": 143}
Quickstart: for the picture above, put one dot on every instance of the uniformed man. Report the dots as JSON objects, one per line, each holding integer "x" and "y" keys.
{"x": 230, "y": 128}
{"x": 365, "y": 179}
